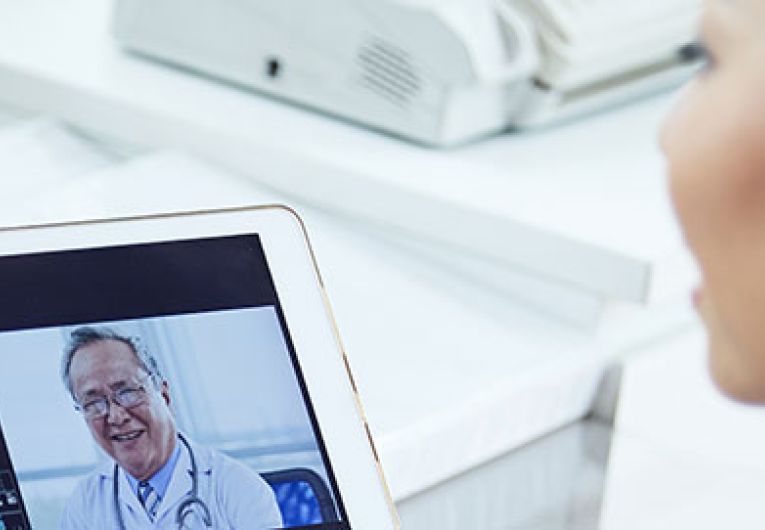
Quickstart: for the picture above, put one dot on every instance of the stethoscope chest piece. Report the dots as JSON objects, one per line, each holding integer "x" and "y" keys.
{"x": 192, "y": 510}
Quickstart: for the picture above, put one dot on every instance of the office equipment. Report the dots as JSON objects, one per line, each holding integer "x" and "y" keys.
{"x": 600, "y": 52}
{"x": 436, "y": 72}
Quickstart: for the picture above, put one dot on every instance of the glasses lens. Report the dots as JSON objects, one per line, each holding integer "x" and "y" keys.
{"x": 126, "y": 398}
{"x": 129, "y": 397}
{"x": 95, "y": 408}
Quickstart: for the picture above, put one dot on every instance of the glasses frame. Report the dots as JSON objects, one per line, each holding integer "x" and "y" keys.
{"x": 114, "y": 398}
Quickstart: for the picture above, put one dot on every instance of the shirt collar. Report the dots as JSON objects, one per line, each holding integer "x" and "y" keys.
{"x": 160, "y": 480}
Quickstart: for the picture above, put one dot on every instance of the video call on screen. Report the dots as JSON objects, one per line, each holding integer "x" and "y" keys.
{"x": 207, "y": 310}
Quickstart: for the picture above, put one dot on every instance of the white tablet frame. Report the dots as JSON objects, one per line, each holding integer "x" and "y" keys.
{"x": 306, "y": 309}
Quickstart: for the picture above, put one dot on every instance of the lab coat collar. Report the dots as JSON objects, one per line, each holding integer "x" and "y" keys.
{"x": 128, "y": 500}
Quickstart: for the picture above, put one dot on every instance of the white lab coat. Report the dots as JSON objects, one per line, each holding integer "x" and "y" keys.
{"x": 238, "y": 498}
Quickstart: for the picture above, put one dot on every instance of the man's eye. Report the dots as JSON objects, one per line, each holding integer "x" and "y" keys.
{"x": 93, "y": 405}
{"x": 128, "y": 395}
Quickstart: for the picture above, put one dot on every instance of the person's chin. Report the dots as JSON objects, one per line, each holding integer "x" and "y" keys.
{"x": 133, "y": 464}
{"x": 130, "y": 454}
{"x": 728, "y": 366}
{"x": 733, "y": 379}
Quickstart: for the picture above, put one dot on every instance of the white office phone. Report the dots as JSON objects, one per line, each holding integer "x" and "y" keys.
{"x": 439, "y": 72}
{"x": 596, "y": 52}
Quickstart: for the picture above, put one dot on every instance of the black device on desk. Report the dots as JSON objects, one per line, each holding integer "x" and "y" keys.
{"x": 13, "y": 515}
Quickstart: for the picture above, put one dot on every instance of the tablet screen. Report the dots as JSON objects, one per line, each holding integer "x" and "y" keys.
{"x": 155, "y": 383}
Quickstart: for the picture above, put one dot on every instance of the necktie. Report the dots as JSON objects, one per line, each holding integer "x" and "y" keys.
{"x": 149, "y": 499}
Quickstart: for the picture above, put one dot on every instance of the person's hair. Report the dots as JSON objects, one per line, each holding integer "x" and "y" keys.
{"x": 85, "y": 335}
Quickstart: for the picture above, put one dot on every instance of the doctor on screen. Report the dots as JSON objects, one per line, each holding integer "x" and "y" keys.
{"x": 157, "y": 478}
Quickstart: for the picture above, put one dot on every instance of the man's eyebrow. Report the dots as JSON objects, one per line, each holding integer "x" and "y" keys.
{"x": 89, "y": 393}
{"x": 116, "y": 385}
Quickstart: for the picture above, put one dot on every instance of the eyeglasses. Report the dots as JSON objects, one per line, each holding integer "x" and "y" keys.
{"x": 126, "y": 398}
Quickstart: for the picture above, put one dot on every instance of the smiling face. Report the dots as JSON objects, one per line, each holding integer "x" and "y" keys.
{"x": 141, "y": 438}
{"x": 715, "y": 146}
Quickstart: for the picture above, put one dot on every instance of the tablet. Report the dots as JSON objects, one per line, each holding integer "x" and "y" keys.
{"x": 179, "y": 371}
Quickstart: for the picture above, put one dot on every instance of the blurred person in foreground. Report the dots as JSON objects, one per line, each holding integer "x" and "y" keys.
{"x": 714, "y": 141}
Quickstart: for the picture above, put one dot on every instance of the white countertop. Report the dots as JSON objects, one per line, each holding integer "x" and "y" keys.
{"x": 475, "y": 374}
{"x": 680, "y": 455}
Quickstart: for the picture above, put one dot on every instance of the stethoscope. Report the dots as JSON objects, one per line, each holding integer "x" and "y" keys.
{"x": 185, "y": 508}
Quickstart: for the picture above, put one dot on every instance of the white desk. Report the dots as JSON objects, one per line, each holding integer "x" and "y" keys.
{"x": 680, "y": 456}
{"x": 396, "y": 315}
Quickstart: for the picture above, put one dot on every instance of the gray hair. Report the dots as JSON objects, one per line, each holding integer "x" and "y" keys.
{"x": 85, "y": 335}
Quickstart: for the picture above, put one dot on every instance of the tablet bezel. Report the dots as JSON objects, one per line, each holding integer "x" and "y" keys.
{"x": 307, "y": 313}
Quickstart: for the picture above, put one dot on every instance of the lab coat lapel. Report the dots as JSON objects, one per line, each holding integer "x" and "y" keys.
{"x": 128, "y": 500}
{"x": 178, "y": 487}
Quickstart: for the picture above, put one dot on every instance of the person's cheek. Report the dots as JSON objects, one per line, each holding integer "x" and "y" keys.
{"x": 679, "y": 158}
{"x": 691, "y": 142}
{"x": 677, "y": 119}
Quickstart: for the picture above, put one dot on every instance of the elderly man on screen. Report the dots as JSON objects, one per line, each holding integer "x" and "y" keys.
{"x": 157, "y": 478}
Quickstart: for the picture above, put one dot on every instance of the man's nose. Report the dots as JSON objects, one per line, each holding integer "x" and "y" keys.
{"x": 116, "y": 415}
